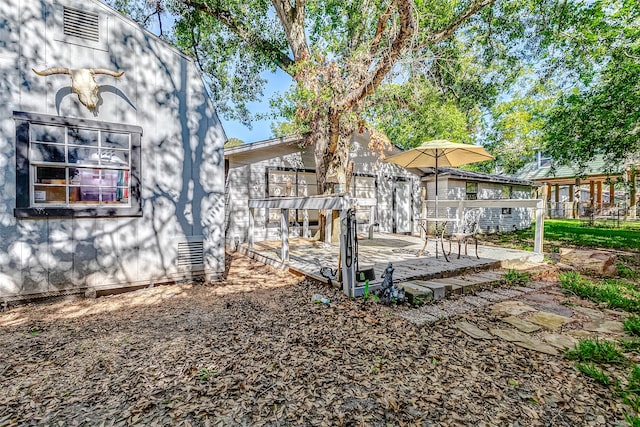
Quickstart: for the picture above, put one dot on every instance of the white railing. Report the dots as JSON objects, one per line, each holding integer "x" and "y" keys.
{"x": 461, "y": 205}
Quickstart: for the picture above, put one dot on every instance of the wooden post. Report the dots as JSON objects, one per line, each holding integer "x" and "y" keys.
{"x": 592, "y": 192}
{"x": 571, "y": 192}
{"x": 557, "y": 195}
{"x": 284, "y": 233}
{"x": 632, "y": 191}
{"x": 612, "y": 193}
{"x": 599, "y": 193}
{"x": 539, "y": 232}
{"x": 251, "y": 237}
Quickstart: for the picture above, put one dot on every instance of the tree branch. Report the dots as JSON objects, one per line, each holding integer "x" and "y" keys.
{"x": 292, "y": 19}
{"x": 382, "y": 20}
{"x": 388, "y": 57}
{"x": 446, "y": 32}
{"x": 251, "y": 38}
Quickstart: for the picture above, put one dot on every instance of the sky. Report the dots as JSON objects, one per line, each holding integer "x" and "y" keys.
{"x": 260, "y": 130}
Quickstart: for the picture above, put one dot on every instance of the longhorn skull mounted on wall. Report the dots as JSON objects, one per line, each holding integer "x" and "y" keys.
{"x": 83, "y": 82}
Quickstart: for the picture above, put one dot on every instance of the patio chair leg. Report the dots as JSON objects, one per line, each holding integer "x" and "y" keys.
{"x": 444, "y": 253}
{"x": 459, "y": 247}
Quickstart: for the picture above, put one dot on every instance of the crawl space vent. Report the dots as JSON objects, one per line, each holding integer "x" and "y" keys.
{"x": 81, "y": 24}
{"x": 190, "y": 254}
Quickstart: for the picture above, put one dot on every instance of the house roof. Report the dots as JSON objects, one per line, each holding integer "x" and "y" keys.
{"x": 269, "y": 148}
{"x": 429, "y": 173}
{"x": 598, "y": 166}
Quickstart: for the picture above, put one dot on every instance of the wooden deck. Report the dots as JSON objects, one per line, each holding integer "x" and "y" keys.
{"x": 307, "y": 257}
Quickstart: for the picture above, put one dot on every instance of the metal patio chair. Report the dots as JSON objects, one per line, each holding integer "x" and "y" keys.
{"x": 467, "y": 230}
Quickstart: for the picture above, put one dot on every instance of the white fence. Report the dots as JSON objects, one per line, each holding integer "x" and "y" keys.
{"x": 538, "y": 205}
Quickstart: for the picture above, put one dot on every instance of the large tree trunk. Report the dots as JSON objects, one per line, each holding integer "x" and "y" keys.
{"x": 331, "y": 154}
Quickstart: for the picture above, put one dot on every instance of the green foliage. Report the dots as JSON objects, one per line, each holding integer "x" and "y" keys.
{"x": 632, "y": 325}
{"x": 367, "y": 295}
{"x": 627, "y": 272}
{"x": 633, "y": 381}
{"x": 205, "y": 374}
{"x": 415, "y": 112}
{"x": 633, "y": 420}
{"x": 595, "y": 351}
{"x": 517, "y": 278}
{"x": 599, "y": 114}
{"x": 616, "y": 293}
{"x": 517, "y": 130}
{"x": 594, "y": 372}
{"x": 631, "y": 393}
{"x": 630, "y": 345}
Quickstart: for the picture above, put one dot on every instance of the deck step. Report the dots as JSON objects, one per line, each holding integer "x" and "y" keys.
{"x": 424, "y": 289}
{"x": 470, "y": 282}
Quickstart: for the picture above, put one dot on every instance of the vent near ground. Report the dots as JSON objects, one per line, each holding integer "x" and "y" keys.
{"x": 78, "y": 23}
{"x": 190, "y": 254}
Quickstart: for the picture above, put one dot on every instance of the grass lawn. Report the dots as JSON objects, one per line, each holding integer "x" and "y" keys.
{"x": 572, "y": 232}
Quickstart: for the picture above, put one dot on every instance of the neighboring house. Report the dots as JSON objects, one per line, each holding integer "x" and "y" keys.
{"x": 572, "y": 192}
{"x": 458, "y": 184}
{"x": 278, "y": 167}
{"x": 126, "y": 192}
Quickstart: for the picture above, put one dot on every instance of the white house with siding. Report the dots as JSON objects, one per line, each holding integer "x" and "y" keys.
{"x": 127, "y": 192}
{"x": 279, "y": 167}
{"x": 458, "y": 184}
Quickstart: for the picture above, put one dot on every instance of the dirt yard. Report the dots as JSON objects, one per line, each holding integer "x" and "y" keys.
{"x": 255, "y": 350}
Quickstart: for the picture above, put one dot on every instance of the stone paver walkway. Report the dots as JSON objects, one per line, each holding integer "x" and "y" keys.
{"x": 537, "y": 317}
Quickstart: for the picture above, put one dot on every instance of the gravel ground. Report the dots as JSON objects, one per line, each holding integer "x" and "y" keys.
{"x": 254, "y": 350}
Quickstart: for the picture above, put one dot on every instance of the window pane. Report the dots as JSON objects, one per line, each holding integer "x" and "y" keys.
{"x": 45, "y": 175}
{"x": 115, "y": 140}
{"x": 45, "y": 133}
{"x": 307, "y": 184}
{"x": 83, "y": 136}
{"x": 114, "y": 158}
{"x": 47, "y": 153}
{"x": 83, "y": 156}
{"x": 49, "y": 194}
{"x": 365, "y": 187}
{"x": 86, "y": 193}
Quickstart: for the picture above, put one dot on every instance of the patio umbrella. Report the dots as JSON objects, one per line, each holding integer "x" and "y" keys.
{"x": 440, "y": 153}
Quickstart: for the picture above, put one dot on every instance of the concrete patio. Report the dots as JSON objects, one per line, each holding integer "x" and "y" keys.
{"x": 307, "y": 257}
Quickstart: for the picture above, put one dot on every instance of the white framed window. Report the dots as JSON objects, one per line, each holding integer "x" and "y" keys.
{"x": 72, "y": 167}
{"x": 291, "y": 182}
{"x": 79, "y": 166}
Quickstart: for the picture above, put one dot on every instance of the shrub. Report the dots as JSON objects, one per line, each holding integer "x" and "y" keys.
{"x": 517, "y": 278}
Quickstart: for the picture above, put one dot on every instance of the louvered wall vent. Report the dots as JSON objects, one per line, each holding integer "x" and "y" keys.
{"x": 190, "y": 254}
{"x": 78, "y": 23}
